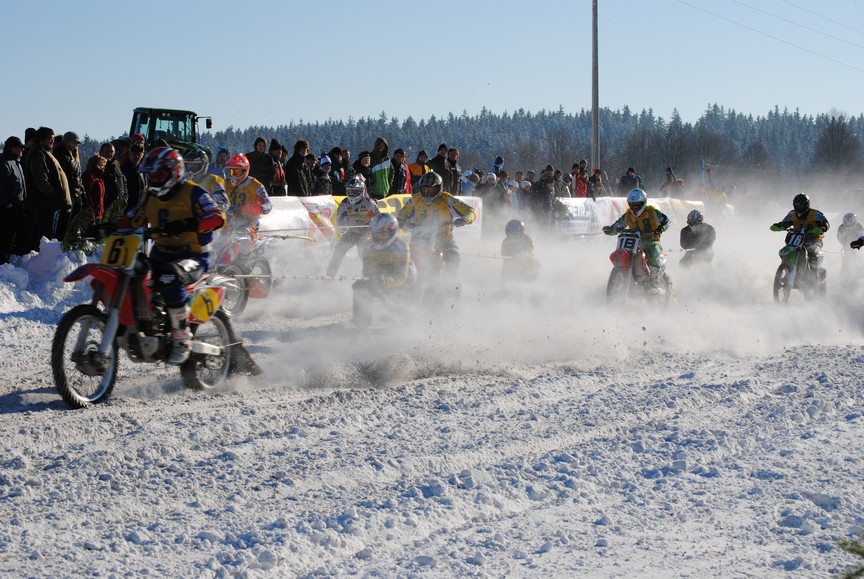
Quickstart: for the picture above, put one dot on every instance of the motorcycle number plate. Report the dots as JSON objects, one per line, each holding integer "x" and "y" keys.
{"x": 796, "y": 239}
{"x": 205, "y": 303}
{"x": 627, "y": 243}
{"x": 120, "y": 250}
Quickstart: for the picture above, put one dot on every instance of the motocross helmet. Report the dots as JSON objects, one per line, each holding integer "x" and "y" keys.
{"x": 196, "y": 162}
{"x": 430, "y": 185}
{"x": 694, "y": 217}
{"x": 384, "y": 228}
{"x": 514, "y": 228}
{"x": 236, "y": 169}
{"x": 801, "y": 204}
{"x": 850, "y": 220}
{"x": 637, "y": 200}
{"x": 355, "y": 190}
{"x": 163, "y": 167}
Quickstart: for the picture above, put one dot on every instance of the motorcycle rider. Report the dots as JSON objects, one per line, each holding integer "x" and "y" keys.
{"x": 187, "y": 217}
{"x": 697, "y": 239}
{"x": 353, "y": 215}
{"x": 517, "y": 249}
{"x": 247, "y": 197}
{"x": 814, "y": 225}
{"x": 848, "y": 232}
{"x": 431, "y": 214}
{"x": 388, "y": 272}
{"x": 196, "y": 162}
{"x": 650, "y": 222}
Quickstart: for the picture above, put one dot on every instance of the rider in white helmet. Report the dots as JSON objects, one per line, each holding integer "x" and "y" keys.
{"x": 651, "y": 223}
{"x": 353, "y": 216}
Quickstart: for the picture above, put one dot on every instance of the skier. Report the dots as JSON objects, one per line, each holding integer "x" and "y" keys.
{"x": 353, "y": 215}
{"x": 651, "y": 223}
{"x": 697, "y": 239}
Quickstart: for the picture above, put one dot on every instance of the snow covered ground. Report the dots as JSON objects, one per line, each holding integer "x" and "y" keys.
{"x": 536, "y": 434}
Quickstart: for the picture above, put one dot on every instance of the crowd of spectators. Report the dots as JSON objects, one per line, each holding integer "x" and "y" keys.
{"x": 45, "y": 193}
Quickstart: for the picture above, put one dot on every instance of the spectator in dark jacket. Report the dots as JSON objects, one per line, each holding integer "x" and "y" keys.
{"x": 439, "y": 163}
{"x": 279, "y": 187}
{"x": 261, "y": 164}
{"x": 66, "y": 154}
{"x": 47, "y": 186}
{"x": 135, "y": 182}
{"x": 297, "y": 176}
{"x": 115, "y": 182}
{"x": 13, "y": 193}
{"x": 363, "y": 166}
{"x": 629, "y": 181}
{"x": 400, "y": 174}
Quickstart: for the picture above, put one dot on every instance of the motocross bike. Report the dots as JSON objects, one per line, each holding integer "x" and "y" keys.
{"x": 236, "y": 261}
{"x": 630, "y": 276}
{"x": 796, "y": 272}
{"x": 125, "y": 313}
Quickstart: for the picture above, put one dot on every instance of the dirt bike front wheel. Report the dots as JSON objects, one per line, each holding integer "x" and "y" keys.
{"x": 616, "y": 287}
{"x": 82, "y": 376}
{"x": 206, "y": 371}
{"x": 782, "y": 287}
{"x": 237, "y": 295}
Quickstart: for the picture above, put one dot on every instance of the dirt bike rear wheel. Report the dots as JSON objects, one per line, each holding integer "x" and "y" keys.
{"x": 205, "y": 371}
{"x": 782, "y": 287}
{"x": 81, "y": 378}
{"x": 237, "y": 297}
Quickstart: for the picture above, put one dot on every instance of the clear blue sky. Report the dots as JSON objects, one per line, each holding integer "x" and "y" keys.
{"x": 85, "y": 65}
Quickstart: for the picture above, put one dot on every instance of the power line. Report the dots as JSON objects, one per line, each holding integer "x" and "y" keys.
{"x": 771, "y": 36}
{"x": 798, "y": 24}
{"x": 837, "y": 22}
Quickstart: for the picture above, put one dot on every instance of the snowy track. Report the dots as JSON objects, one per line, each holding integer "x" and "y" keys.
{"x": 521, "y": 441}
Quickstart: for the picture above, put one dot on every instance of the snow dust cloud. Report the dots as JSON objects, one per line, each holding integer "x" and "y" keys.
{"x": 304, "y": 332}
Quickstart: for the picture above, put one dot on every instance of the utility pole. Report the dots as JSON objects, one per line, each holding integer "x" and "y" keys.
{"x": 595, "y": 98}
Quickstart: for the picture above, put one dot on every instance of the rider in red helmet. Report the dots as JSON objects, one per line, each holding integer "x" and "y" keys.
{"x": 247, "y": 196}
{"x": 187, "y": 217}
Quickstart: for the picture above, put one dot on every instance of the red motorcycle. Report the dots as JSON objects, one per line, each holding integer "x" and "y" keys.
{"x": 126, "y": 314}
{"x": 237, "y": 261}
{"x": 630, "y": 276}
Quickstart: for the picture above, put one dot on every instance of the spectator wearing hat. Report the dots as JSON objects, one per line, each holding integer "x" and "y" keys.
{"x": 279, "y": 187}
{"x": 596, "y": 188}
{"x": 337, "y": 172}
{"x": 13, "y": 194}
{"x": 94, "y": 187}
{"x": 136, "y": 182}
{"x": 401, "y": 183}
{"x": 498, "y": 165}
{"x": 347, "y": 166}
{"x": 439, "y": 163}
{"x": 363, "y": 166}
{"x": 382, "y": 173}
{"x": 419, "y": 167}
{"x": 297, "y": 176}
{"x": 47, "y": 186}
{"x": 323, "y": 184}
{"x": 261, "y": 166}
{"x": 66, "y": 153}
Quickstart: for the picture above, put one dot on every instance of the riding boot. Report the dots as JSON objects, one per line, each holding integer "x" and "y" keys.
{"x": 180, "y": 335}
{"x": 654, "y": 276}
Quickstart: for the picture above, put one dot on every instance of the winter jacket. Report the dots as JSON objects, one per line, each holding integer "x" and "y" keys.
{"x": 136, "y": 183}
{"x": 13, "y": 189}
{"x": 262, "y": 167}
{"x": 382, "y": 173}
{"x": 94, "y": 193}
{"x": 401, "y": 180}
{"x": 297, "y": 176}
{"x": 47, "y": 186}
{"x": 441, "y": 166}
{"x": 72, "y": 168}
{"x": 115, "y": 185}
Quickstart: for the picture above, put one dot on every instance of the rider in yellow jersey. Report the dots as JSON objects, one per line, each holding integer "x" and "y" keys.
{"x": 812, "y": 222}
{"x": 650, "y": 222}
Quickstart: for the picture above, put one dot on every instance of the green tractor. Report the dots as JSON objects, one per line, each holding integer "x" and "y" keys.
{"x": 177, "y": 128}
